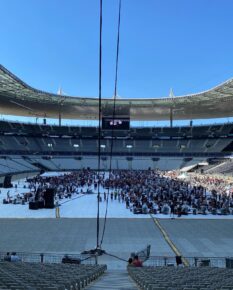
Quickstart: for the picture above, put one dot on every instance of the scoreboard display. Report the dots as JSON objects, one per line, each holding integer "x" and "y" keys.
{"x": 117, "y": 123}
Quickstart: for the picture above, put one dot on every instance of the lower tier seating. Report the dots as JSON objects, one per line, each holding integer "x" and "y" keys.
{"x": 36, "y": 276}
{"x": 186, "y": 278}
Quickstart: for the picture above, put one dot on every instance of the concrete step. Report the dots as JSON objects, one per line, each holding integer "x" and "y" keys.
{"x": 114, "y": 279}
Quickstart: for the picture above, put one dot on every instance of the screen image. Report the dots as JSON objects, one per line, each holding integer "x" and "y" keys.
{"x": 115, "y": 124}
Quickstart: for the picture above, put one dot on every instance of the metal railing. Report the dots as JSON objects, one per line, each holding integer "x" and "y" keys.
{"x": 51, "y": 257}
{"x": 153, "y": 261}
{"x": 220, "y": 262}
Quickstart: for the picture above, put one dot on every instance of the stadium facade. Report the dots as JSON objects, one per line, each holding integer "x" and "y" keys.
{"x": 28, "y": 148}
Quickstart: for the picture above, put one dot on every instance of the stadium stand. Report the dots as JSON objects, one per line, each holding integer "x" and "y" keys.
{"x": 177, "y": 278}
{"x": 48, "y": 147}
{"x": 133, "y": 152}
{"x": 129, "y": 154}
{"x": 223, "y": 167}
{"x": 47, "y": 276}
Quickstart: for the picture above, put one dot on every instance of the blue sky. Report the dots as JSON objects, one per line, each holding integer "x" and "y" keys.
{"x": 183, "y": 44}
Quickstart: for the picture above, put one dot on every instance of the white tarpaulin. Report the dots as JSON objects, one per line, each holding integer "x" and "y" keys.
{"x": 52, "y": 173}
{"x": 183, "y": 176}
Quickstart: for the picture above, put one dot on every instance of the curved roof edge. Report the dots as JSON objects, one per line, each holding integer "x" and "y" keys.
{"x": 18, "y": 98}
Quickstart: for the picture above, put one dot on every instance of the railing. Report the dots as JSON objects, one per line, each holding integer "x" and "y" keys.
{"x": 51, "y": 257}
{"x": 153, "y": 261}
{"x": 220, "y": 262}
{"x": 129, "y": 154}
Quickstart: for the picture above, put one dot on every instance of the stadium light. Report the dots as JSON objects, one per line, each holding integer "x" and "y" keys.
{"x": 156, "y": 146}
{"x": 50, "y": 145}
{"x": 102, "y": 145}
{"x": 76, "y": 145}
{"x": 129, "y": 146}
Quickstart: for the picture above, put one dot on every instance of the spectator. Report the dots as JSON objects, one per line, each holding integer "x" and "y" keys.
{"x": 7, "y": 257}
{"x": 15, "y": 258}
{"x": 137, "y": 262}
{"x": 130, "y": 262}
{"x": 179, "y": 261}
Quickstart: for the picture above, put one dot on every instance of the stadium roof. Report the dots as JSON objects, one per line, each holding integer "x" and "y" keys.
{"x": 19, "y": 99}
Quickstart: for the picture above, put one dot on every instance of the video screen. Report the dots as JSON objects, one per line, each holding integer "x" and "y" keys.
{"x": 115, "y": 123}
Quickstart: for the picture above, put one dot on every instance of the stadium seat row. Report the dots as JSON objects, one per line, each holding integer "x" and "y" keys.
{"x": 186, "y": 278}
{"x": 39, "y": 276}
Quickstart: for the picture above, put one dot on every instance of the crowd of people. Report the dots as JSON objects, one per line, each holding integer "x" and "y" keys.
{"x": 143, "y": 192}
{"x": 160, "y": 192}
{"x": 12, "y": 257}
{"x": 65, "y": 186}
{"x": 135, "y": 262}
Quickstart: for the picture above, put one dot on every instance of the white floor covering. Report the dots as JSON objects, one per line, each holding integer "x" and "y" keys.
{"x": 80, "y": 206}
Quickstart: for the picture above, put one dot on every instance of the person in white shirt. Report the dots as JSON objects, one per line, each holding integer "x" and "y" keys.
{"x": 15, "y": 258}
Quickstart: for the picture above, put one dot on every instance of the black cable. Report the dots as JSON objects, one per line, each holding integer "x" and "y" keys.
{"x": 114, "y": 115}
{"x": 114, "y": 256}
{"x": 104, "y": 253}
{"x": 71, "y": 199}
{"x": 99, "y": 132}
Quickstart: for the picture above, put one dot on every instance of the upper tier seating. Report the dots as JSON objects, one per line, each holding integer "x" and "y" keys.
{"x": 141, "y": 132}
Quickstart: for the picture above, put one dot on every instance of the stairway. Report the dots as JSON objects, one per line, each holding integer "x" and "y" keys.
{"x": 114, "y": 279}
{"x": 40, "y": 166}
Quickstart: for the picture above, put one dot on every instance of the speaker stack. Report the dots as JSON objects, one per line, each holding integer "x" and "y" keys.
{"x": 7, "y": 181}
{"x": 33, "y": 205}
{"x": 49, "y": 198}
{"x": 36, "y": 204}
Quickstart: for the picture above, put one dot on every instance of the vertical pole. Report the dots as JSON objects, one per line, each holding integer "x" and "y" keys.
{"x": 59, "y": 117}
{"x": 99, "y": 132}
{"x": 171, "y": 117}
{"x": 96, "y": 259}
{"x": 42, "y": 258}
{"x": 195, "y": 262}
{"x": 171, "y": 96}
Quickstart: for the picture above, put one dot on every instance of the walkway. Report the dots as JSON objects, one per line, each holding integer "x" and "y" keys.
{"x": 117, "y": 279}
